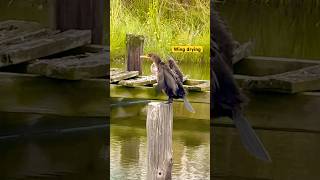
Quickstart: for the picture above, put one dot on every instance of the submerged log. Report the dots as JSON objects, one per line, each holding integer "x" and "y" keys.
{"x": 159, "y": 134}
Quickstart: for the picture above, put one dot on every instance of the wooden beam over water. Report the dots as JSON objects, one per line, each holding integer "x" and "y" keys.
{"x": 152, "y": 93}
{"x": 85, "y": 66}
{"x": 302, "y": 80}
{"x": 36, "y": 94}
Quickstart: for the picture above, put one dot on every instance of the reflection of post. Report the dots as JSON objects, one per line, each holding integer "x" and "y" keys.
{"x": 134, "y": 50}
{"x": 159, "y": 134}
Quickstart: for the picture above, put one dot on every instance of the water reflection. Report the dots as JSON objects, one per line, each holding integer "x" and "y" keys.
{"x": 128, "y": 149}
{"x": 73, "y": 150}
{"x": 291, "y": 30}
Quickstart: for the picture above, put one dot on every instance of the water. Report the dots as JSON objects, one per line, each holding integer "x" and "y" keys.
{"x": 30, "y": 10}
{"x": 291, "y": 30}
{"x": 52, "y": 147}
{"x": 128, "y": 148}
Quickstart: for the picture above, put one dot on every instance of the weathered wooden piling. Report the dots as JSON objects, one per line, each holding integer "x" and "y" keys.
{"x": 159, "y": 134}
{"x": 134, "y": 50}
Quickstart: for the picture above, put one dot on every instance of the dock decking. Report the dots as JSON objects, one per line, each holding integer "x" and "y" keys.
{"x": 128, "y": 84}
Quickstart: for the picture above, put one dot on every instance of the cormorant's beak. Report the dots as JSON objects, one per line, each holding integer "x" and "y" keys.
{"x": 145, "y": 56}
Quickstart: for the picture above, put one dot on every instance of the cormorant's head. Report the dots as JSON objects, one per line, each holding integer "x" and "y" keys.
{"x": 152, "y": 56}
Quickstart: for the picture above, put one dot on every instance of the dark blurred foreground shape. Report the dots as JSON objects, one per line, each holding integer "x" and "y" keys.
{"x": 283, "y": 91}
{"x": 54, "y": 127}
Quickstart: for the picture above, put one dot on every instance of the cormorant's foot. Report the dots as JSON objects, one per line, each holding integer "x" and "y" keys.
{"x": 170, "y": 100}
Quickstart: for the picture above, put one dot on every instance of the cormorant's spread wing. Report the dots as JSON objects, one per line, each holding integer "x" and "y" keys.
{"x": 170, "y": 79}
{"x": 166, "y": 79}
{"x": 173, "y": 65}
{"x": 160, "y": 79}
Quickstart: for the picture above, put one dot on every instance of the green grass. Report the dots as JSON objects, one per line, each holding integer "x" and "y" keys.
{"x": 163, "y": 24}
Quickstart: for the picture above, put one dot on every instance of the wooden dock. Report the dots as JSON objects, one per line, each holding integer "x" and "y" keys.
{"x": 128, "y": 84}
{"x": 52, "y": 72}
{"x": 281, "y": 75}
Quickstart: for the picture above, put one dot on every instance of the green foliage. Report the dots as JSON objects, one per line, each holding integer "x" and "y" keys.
{"x": 164, "y": 24}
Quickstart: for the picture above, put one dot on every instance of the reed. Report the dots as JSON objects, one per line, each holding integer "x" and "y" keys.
{"x": 164, "y": 24}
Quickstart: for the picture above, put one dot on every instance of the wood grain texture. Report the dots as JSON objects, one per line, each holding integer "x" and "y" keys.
{"x": 44, "y": 46}
{"x": 82, "y": 14}
{"x": 159, "y": 135}
{"x": 134, "y": 51}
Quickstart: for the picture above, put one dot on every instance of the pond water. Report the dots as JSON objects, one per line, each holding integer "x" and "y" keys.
{"x": 128, "y": 148}
{"x": 282, "y": 30}
{"x": 62, "y": 148}
{"x": 31, "y": 10}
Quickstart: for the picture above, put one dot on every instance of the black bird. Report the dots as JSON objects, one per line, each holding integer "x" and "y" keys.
{"x": 225, "y": 94}
{"x": 169, "y": 78}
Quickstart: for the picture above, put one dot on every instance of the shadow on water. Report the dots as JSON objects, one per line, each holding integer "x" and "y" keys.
{"x": 128, "y": 148}
{"x": 72, "y": 150}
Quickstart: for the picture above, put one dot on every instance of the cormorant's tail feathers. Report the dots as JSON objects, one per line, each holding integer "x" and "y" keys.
{"x": 249, "y": 138}
{"x": 188, "y": 105}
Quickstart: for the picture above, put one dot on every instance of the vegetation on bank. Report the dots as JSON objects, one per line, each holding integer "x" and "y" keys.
{"x": 164, "y": 24}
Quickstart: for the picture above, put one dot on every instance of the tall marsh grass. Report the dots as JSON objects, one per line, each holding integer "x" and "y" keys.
{"x": 164, "y": 24}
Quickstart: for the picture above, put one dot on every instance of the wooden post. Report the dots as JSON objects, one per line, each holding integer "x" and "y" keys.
{"x": 159, "y": 135}
{"x": 134, "y": 50}
{"x": 82, "y": 14}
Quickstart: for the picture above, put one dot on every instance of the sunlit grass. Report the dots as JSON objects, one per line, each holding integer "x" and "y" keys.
{"x": 163, "y": 24}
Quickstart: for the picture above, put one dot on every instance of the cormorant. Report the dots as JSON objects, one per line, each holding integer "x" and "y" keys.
{"x": 169, "y": 79}
{"x": 226, "y": 96}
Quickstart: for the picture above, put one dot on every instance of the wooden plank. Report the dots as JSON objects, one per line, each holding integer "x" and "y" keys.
{"x": 204, "y": 86}
{"x": 295, "y": 156}
{"x": 159, "y": 141}
{"x": 10, "y": 29}
{"x": 242, "y": 52}
{"x": 193, "y": 82}
{"x": 72, "y": 67}
{"x": 263, "y": 66}
{"x": 114, "y": 71}
{"x": 306, "y": 79}
{"x": 42, "y": 47}
{"x": 150, "y": 93}
{"x": 192, "y": 88}
{"x": 123, "y": 75}
{"x": 139, "y": 81}
{"x": 25, "y": 36}
{"x": 35, "y": 94}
